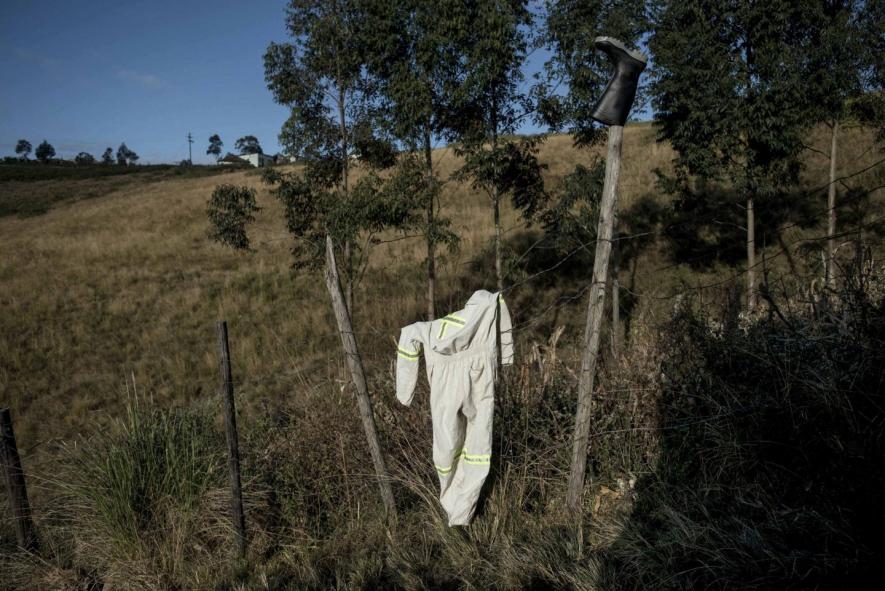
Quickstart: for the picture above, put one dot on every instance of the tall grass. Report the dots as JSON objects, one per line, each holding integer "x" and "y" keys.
{"x": 140, "y": 506}
{"x": 725, "y": 452}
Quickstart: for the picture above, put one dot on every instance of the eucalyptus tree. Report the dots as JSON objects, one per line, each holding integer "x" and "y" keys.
{"x": 490, "y": 104}
{"x": 571, "y": 27}
{"x": 215, "y": 145}
{"x": 320, "y": 75}
{"x": 248, "y": 144}
{"x": 730, "y": 98}
{"x": 84, "y": 158}
{"x": 125, "y": 156}
{"x": 837, "y": 57}
{"x": 23, "y": 148}
{"x": 44, "y": 152}
{"x": 415, "y": 55}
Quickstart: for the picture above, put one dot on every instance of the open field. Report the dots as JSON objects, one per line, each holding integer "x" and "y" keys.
{"x": 33, "y": 188}
{"x": 127, "y": 286}
{"x": 111, "y": 301}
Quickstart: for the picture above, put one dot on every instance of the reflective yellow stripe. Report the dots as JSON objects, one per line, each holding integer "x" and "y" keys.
{"x": 406, "y": 353}
{"x": 450, "y": 319}
{"x": 407, "y": 356}
{"x": 472, "y": 459}
{"x": 477, "y": 459}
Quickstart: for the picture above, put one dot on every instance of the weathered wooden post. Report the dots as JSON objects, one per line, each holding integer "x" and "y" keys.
{"x": 355, "y": 363}
{"x": 612, "y": 109}
{"x": 233, "y": 444}
{"x": 616, "y": 292}
{"x": 594, "y": 319}
{"x": 15, "y": 484}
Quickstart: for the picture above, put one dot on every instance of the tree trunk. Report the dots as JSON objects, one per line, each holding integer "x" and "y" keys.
{"x": 831, "y": 210}
{"x": 355, "y": 364}
{"x": 345, "y": 169}
{"x": 499, "y": 274}
{"x": 751, "y": 256}
{"x": 594, "y": 321}
{"x": 431, "y": 248}
{"x": 496, "y": 204}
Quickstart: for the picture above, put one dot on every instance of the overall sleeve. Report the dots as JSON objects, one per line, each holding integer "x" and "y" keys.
{"x": 506, "y": 333}
{"x": 407, "y": 355}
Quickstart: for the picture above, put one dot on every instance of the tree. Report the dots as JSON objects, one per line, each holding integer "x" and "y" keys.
{"x": 44, "y": 152}
{"x": 84, "y": 158}
{"x": 248, "y": 144}
{"x": 585, "y": 211}
{"x": 745, "y": 124}
{"x": 415, "y": 49}
{"x": 320, "y": 76}
{"x": 215, "y": 145}
{"x": 23, "y": 148}
{"x": 837, "y": 56}
{"x": 572, "y": 26}
{"x": 490, "y": 106}
{"x": 125, "y": 156}
{"x": 108, "y": 156}
{"x": 870, "y": 107}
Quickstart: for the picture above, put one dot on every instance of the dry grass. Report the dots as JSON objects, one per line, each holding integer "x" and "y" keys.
{"x": 126, "y": 286}
{"x": 119, "y": 293}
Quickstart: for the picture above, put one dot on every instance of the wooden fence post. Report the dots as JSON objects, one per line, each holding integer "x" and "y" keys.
{"x": 594, "y": 322}
{"x": 615, "y": 267}
{"x": 358, "y": 374}
{"x": 233, "y": 445}
{"x": 15, "y": 484}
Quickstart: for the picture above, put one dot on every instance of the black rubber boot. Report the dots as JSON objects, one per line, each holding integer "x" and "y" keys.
{"x": 617, "y": 98}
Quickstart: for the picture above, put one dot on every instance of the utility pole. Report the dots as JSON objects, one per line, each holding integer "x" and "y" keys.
{"x": 190, "y": 141}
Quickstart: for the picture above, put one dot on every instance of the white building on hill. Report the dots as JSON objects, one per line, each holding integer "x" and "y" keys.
{"x": 257, "y": 159}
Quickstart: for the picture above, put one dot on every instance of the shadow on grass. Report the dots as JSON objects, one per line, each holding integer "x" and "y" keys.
{"x": 772, "y": 460}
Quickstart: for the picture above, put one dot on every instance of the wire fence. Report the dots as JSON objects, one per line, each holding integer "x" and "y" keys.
{"x": 309, "y": 371}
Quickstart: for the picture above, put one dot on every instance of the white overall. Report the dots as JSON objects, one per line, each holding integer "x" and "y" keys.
{"x": 460, "y": 351}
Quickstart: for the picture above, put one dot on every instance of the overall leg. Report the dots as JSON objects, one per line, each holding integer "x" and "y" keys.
{"x": 479, "y": 407}
{"x": 449, "y": 426}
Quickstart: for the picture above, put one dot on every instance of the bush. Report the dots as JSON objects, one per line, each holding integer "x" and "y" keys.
{"x": 230, "y": 209}
{"x": 771, "y": 464}
{"x": 146, "y": 506}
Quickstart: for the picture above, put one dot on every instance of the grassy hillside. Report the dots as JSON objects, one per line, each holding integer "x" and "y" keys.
{"x": 33, "y": 188}
{"x": 109, "y": 303}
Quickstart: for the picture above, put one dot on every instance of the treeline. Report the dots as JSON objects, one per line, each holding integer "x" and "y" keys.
{"x": 735, "y": 89}
{"x": 45, "y": 153}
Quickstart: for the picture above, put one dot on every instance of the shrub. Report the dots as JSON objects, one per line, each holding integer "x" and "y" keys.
{"x": 146, "y": 505}
{"x": 771, "y": 461}
{"x": 229, "y": 210}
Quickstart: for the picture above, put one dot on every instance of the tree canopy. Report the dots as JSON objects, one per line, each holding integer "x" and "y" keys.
{"x": 215, "y": 146}
{"x": 248, "y": 144}
{"x": 23, "y": 149}
{"x": 125, "y": 156}
{"x": 44, "y": 152}
{"x": 84, "y": 158}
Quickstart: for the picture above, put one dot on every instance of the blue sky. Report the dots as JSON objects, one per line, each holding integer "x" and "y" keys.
{"x": 91, "y": 74}
{"x": 88, "y": 75}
